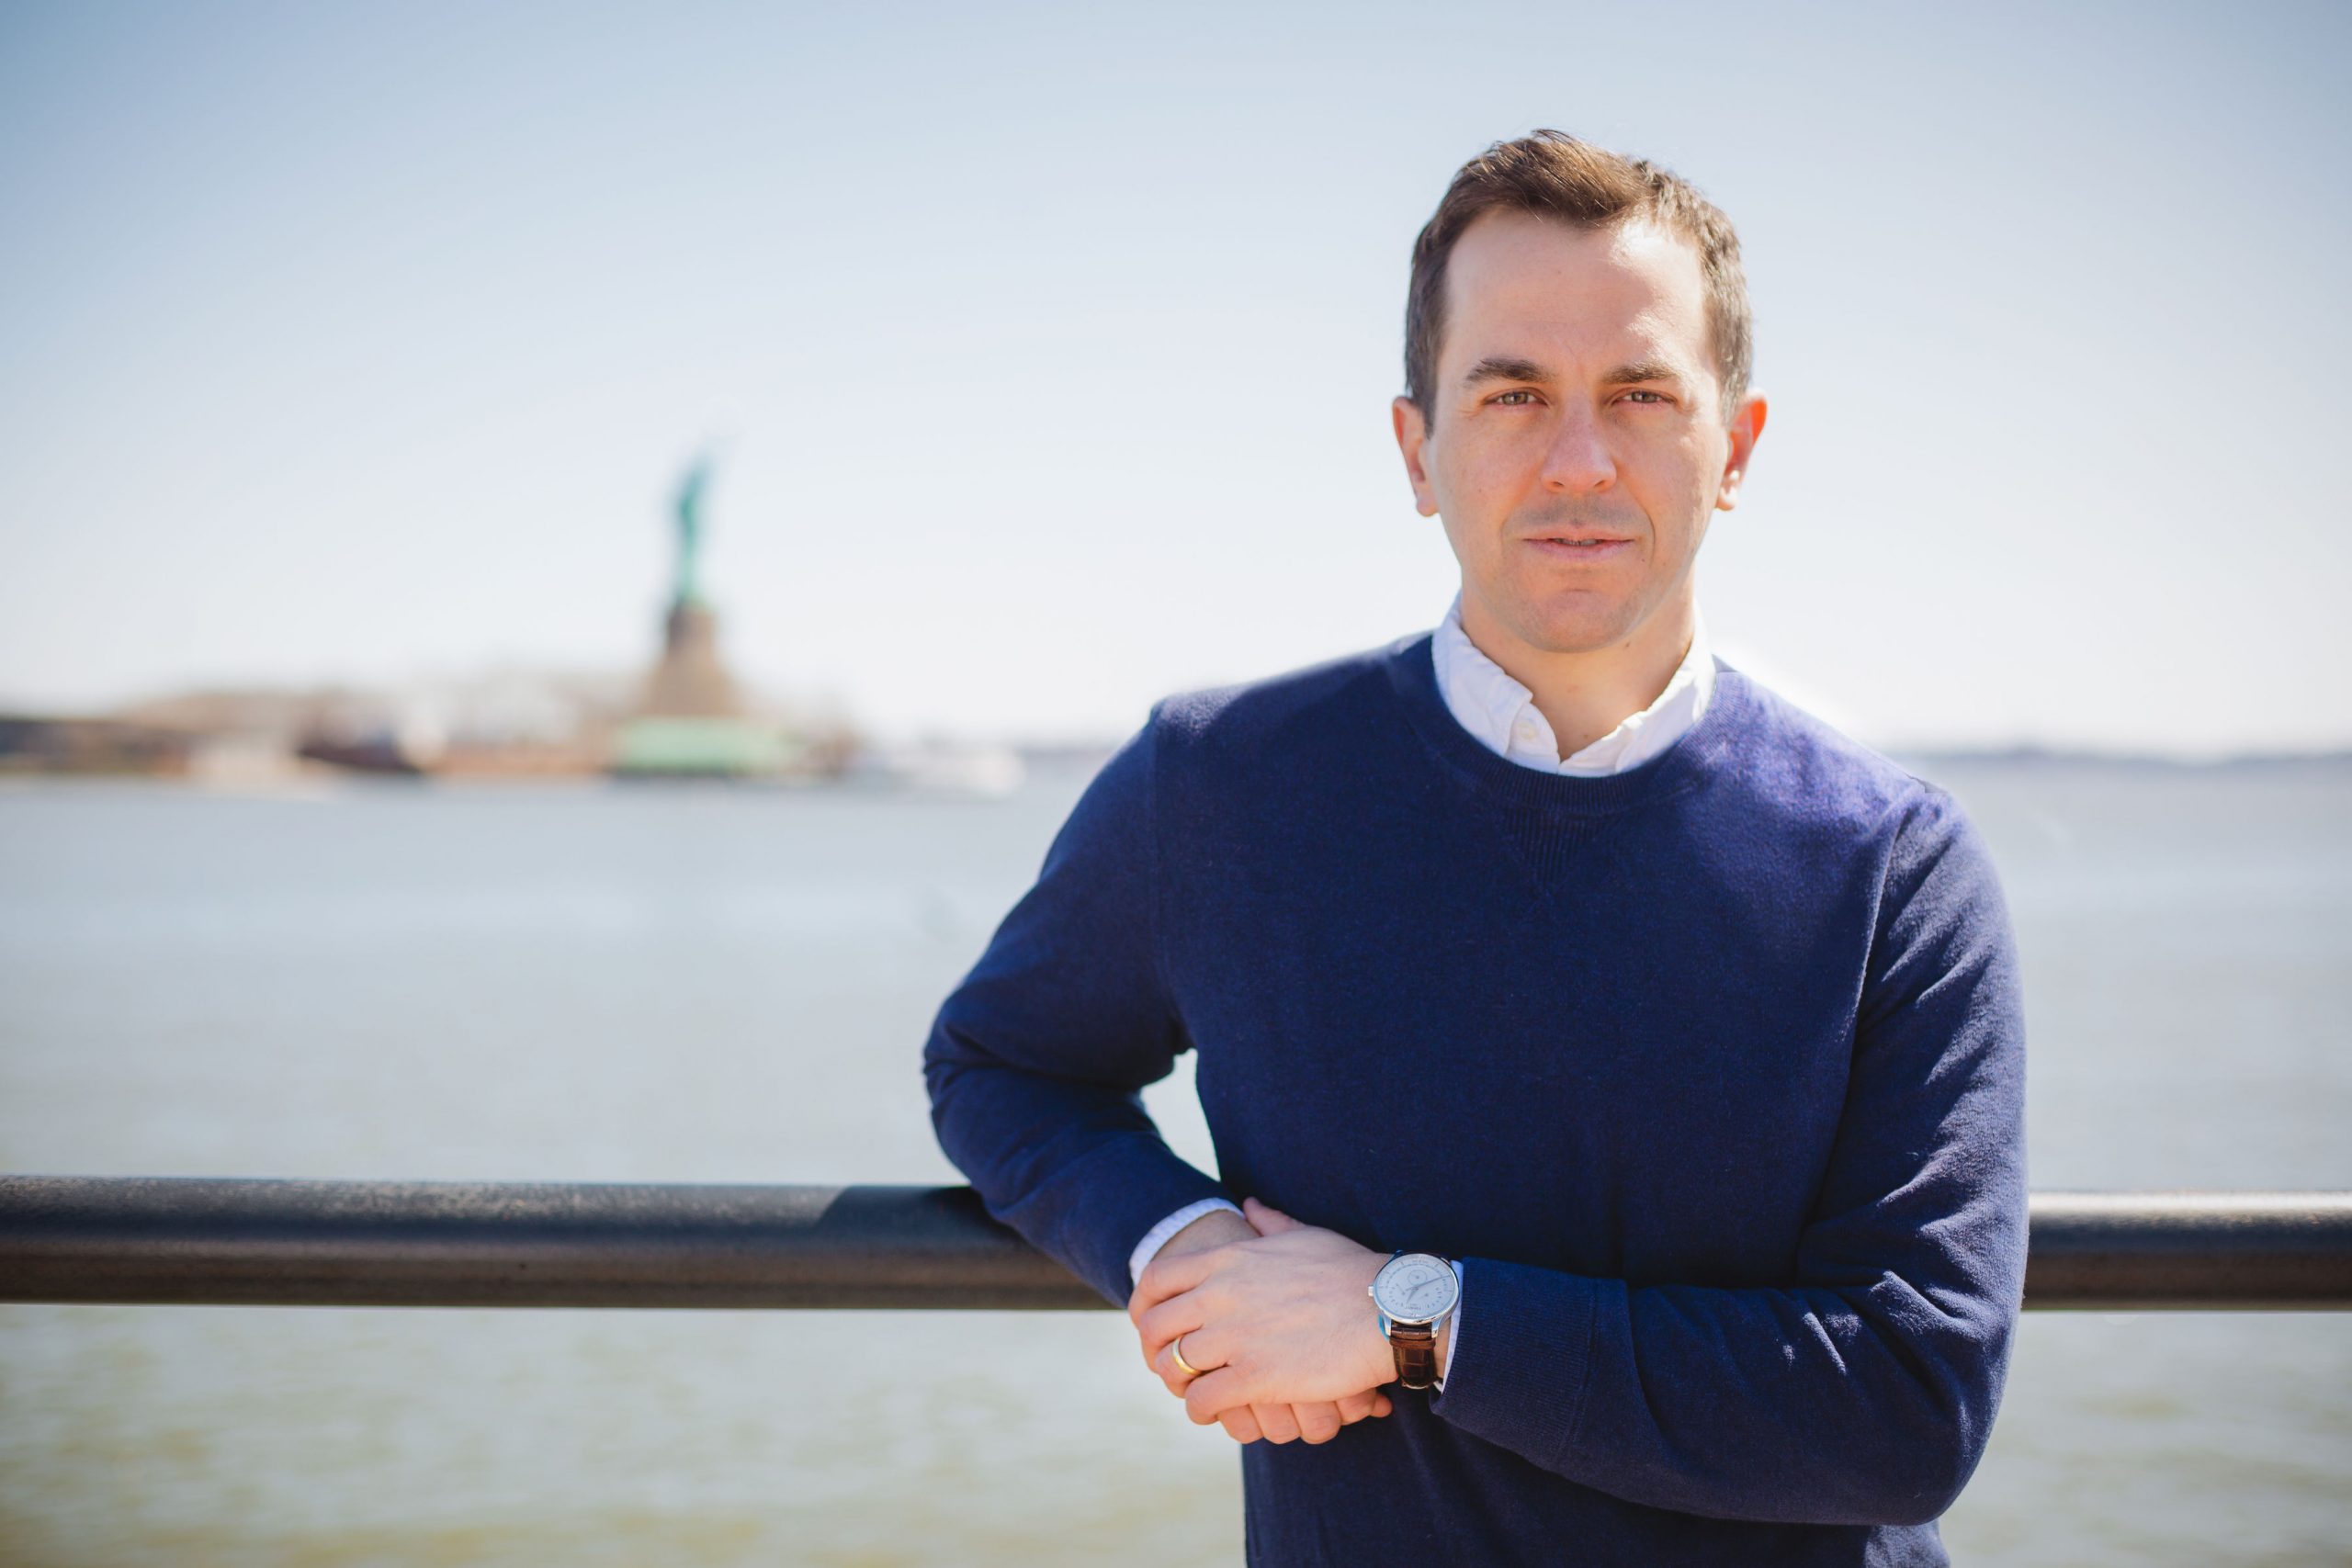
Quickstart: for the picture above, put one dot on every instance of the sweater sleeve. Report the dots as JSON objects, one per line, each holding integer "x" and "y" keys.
{"x": 1862, "y": 1390}
{"x": 1036, "y": 1060}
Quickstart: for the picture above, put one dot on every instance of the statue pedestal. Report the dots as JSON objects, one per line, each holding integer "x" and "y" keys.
{"x": 690, "y": 682}
{"x": 702, "y": 749}
{"x": 691, "y": 724}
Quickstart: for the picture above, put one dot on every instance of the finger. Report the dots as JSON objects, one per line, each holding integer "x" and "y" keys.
{"x": 1164, "y": 1276}
{"x": 1211, "y": 1394}
{"x": 1239, "y": 1425}
{"x": 1162, "y": 1324}
{"x": 1164, "y": 1366}
{"x": 1277, "y": 1422}
{"x": 1356, "y": 1407}
{"x": 1205, "y": 1349}
{"x": 1268, "y": 1220}
{"x": 1318, "y": 1423}
{"x": 1382, "y": 1405}
{"x": 1171, "y": 1371}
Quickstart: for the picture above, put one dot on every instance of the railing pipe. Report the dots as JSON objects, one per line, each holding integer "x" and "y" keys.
{"x": 192, "y": 1241}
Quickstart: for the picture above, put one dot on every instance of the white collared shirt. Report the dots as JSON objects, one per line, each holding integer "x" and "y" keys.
{"x": 1500, "y": 714}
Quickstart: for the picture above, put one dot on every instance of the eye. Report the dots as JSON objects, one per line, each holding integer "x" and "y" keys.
{"x": 1517, "y": 396}
{"x": 1646, "y": 394}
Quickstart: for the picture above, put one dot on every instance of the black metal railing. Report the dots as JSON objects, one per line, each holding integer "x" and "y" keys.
{"x": 189, "y": 1241}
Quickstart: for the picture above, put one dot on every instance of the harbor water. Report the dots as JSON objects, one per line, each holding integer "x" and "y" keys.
{"x": 606, "y": 982}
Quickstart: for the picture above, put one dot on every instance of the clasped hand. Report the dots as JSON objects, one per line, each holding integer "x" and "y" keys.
{"x": 1273, "y": 1314}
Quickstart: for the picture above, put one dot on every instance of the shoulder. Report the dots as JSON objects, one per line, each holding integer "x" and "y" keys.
{"x": 1268, "y": 716}
{"x": 1232, "y": 743}
{"x": 1808, "y": 768}
{"x": 1927, "y": 856}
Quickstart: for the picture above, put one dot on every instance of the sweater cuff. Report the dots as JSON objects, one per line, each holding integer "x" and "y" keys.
{"x": 1522, "y": 1383}
{"x": 1118, "y": 1193}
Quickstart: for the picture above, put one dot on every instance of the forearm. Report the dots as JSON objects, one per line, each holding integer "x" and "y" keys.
{"x": 1807, "y": 1404}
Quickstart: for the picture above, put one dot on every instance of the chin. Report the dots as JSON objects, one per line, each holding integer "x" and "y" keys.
{"x": 1581, "y": 626}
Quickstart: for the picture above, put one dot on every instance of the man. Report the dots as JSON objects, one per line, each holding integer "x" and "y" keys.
{"x": 1670, "y": 1039}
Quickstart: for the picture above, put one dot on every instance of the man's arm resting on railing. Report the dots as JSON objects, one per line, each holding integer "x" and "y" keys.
{"x": 1036, "y": 1061}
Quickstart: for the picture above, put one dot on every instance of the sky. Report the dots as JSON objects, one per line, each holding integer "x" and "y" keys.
{"x": 1047, "y": 350}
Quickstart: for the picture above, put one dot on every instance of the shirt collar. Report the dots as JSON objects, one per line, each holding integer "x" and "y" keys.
{"x": 1497, "y": 710}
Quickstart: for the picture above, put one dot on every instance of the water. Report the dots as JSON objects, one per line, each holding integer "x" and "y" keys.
{"x": 602, "y": 985}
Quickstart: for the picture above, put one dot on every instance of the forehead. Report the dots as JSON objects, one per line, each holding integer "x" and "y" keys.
{"x": 1540, "y": 289}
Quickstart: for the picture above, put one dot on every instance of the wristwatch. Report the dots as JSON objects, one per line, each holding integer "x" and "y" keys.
{"x": 1413, "y": 1293}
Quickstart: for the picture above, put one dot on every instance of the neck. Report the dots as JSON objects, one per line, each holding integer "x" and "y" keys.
{"x": 1584, "y": 695}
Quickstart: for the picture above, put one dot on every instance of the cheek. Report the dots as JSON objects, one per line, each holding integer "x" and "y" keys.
{"x": 1680, "y": 491}
{"x": 1481, "y": 484}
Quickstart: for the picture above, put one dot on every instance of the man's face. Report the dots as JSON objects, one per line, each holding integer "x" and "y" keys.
{"x": 1577, "y": 444}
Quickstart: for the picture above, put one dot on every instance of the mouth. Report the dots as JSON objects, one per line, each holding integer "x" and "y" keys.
{"x": 1579, "y": 544}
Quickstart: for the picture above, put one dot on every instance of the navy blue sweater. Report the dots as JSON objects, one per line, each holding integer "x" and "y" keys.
{"x": 1712, "y": 1073}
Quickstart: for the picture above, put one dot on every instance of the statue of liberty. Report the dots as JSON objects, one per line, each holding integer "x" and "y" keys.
{"x": 690, "y": 681}
{"x": 689, "y": 511}
{"x": 691, "y": 720}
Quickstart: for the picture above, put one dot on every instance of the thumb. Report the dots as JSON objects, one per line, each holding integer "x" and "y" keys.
{"x": 1268, "y": 1220}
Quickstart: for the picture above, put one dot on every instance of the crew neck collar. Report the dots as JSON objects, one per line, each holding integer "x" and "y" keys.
{"x": 1412, "y": 671}
{"x": 1498, "y": 709}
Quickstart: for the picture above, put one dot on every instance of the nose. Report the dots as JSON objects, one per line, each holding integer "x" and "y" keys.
{"x": 1578, "y": 460}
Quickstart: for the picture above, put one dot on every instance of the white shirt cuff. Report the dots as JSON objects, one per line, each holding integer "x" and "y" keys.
{"x": 1454, "y": 1337}
{"x": 1163, "y": 1233}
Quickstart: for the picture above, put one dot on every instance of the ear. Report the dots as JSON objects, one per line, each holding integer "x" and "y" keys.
{"x": 1746, "y": 424}
{"x": 1412, "y": 438}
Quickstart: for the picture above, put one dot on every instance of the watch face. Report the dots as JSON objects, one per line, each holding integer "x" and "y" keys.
{"x": 1415, "y": 1288}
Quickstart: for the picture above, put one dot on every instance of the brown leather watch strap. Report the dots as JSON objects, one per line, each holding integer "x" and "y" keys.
{"x": 1415, "y": 1348}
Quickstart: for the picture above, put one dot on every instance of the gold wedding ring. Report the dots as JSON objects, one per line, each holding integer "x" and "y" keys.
{"x": 1176, "y": 1348}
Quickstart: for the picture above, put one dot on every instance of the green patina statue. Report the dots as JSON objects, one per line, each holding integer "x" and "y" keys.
{"x": 690, "y": 530}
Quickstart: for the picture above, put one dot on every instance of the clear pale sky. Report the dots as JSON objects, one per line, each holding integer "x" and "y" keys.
{"x": 1053, "y": 346}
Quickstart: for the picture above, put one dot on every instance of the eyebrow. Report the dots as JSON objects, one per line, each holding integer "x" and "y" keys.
{"x": 1641, "y": 370}
{"x": 1504, "y": 367}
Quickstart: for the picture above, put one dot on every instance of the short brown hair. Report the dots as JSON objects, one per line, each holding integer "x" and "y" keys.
{"x": 1552, "y": 174}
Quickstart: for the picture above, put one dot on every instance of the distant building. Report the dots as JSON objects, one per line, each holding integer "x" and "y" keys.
{"x": 34, "y": 744}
